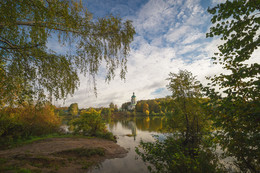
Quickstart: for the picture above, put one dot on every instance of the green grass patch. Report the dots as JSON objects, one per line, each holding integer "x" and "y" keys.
{"x": 82, "y": 152}
{"x": 42, "y": 161}
{"x": 32, "y": 139}
{"x": 87, "y": 165}
{"x": 5, "y": 167}
{"x": 2, "y": 161}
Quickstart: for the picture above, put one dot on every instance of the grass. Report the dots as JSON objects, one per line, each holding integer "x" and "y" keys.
{"x": 32, "y": 139}
{"x": 83, "y": 152}
{"x": 87, "y": 165}
{"x": 81, "y": 156}
{"x": 38, "y": 161}
{"x": 5, "y": 167}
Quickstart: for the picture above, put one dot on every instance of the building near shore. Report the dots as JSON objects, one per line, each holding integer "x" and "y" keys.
{"x": 133, "y": 102}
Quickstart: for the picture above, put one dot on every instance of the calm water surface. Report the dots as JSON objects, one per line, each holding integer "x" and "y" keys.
{"x": 140, "y": 129}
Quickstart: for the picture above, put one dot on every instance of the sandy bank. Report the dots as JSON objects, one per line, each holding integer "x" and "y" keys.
{"x": 43, "y": 155}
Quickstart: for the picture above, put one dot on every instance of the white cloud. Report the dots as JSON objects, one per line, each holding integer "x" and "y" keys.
{"x": 167, "y": 30}
{"x": 175, "y": 34}
{"x": 215, "y": 2}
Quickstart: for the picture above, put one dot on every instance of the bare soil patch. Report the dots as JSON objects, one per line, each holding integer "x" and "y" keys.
{"x": 60, "y": 155}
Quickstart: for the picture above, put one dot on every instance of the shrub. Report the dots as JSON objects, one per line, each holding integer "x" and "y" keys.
{"x": 89, "y": 123}
{"x": 27, "y": 120}
{"x": 171, "y": 156}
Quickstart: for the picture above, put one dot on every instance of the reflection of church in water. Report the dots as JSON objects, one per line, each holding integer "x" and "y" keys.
{"x": 133, "y": 102}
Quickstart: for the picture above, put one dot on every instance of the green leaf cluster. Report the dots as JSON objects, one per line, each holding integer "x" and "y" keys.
{"x": 25, "y": 121}
{"x": 169, "y": 156}
{"x": 89, "y": 123}
{"x": 73, "y": 109}
{"x": 188, "y": 146}
{"x": 30, "y": 69}
{"x": 236, "y": 111}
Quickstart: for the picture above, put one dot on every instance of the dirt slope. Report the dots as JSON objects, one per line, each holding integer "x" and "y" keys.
{"x": 43, "y": 156}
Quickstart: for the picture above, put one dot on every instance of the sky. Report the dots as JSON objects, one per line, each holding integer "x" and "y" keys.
{"x": 170, "y": 36}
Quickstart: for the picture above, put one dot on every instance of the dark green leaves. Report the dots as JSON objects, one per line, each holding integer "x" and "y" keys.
{"x": 235, "y": 112}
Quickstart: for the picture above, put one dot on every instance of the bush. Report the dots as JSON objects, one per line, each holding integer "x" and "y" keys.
{"x": 10, "y": 129}
{"x": 171, "y": 155}
{"x": 27, "y": 120}
{"x": 90, "y": 123}
{"x": 107, "y": 135}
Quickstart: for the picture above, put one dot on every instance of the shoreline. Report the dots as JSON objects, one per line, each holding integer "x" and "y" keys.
{"x": 52, "y": 154}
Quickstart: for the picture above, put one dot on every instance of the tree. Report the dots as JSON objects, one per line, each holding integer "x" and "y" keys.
{"x": 237, "y": 111}
{"x": 73, "y": 109}
{"x": 146, "y": 109}
{"x": 138, "y": 107}
{"x": 29, "y": 68}
{"x": 125, "y": 105}
{"x": 112, "y": 105}
{"x": 106, "y": 111}
{"x": 186, "y": 95}
{"x": 156, "y": 107}
{"x": 186, "y": 148}
{"x": 90, "y": 123}
{"x": 116, "y": 108}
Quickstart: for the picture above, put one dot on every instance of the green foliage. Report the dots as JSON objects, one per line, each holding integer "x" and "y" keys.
{"x": 169, "y": 156}
{"x": 146, "y": 109}
{"x": 187, "y": 109}
{"x": 10, "y": 129}
{"x": 5, "y": 167}
{"x": 157, "y": 106}
{"x": 236, "y": 112}
{"x": 187, "y": 149}
{"x": 29, "y": 70}
{"x": 25, "y": 121}
{"x": 125, "y": 105}
{"x": 112, "y": 105}
{"x": 116, "y": 108}
{"x": 106, "y": 112}
{"x": 73, "y": 109}
{"x": 106, "y": 135}
{"x": 83, "y": 152}
{"x": 139, "y": 107}
{"x": 90, "y": 123}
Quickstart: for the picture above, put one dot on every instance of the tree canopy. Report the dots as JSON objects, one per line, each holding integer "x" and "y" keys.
{"x": 73, "y": 109}
{"x": 236, "y": 112}
{"x": 30, "y": 69}
{"x": 185, "y": 148}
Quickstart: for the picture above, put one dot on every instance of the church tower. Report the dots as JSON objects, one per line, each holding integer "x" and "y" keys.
{"x": 133, "y": 100}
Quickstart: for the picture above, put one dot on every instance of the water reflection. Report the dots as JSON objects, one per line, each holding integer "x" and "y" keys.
{"x": 130, "y": 132}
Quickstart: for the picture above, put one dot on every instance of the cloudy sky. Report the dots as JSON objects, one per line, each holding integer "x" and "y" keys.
{"x": 170, "y": 35}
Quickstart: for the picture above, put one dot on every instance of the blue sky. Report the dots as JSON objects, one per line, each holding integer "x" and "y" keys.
{"x": 170, "y": 35}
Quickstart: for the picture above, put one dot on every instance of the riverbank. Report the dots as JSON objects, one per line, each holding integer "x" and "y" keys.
{"x": 60, "y": 155}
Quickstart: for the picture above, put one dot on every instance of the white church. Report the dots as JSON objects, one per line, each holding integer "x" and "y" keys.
{"x": 133, "y": 102}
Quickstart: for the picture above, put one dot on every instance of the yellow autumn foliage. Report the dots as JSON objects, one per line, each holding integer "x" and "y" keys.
{"x": 28, "y": 120}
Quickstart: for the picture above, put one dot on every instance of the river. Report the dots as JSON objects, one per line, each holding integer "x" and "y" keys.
{"x": 129, "y": 133}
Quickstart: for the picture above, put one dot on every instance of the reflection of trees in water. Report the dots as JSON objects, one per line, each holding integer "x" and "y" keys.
{"x": 146, "y": 123}
{"x": 140, "y": 123}
{"x": 112, "y": 123}
{"x": 155, "y": 124}
{"x": 125, "y": 124}
{"x": 129, "y": 124}
{"x": 132, "y": 125}
{"x": 151, "y": 123}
